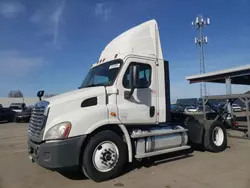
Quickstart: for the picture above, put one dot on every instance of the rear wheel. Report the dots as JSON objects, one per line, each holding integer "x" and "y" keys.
{"x": 104, "y": 156}
{"x": 215, "y": 138}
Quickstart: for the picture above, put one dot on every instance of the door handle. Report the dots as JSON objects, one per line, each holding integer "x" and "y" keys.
{"x": 151, "y": 111}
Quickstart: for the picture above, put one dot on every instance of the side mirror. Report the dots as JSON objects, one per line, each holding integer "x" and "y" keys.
{"x": 133, "y": 76}
{"x": 40, "y": 94}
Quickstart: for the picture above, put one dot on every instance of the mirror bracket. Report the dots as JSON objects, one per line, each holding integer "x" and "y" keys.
{"x": 128, "y": 94}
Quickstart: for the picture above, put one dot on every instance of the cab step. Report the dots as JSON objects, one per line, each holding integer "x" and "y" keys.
{"x": 159, "y": 152}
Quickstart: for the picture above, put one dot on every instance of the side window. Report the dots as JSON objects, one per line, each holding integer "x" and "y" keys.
{"x": 144, "y": 76}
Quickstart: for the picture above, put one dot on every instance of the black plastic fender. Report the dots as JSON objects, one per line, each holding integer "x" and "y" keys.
{"x": 195, "y": 128}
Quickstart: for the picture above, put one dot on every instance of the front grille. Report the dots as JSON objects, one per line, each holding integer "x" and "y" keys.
{"x": 37, "y": 118}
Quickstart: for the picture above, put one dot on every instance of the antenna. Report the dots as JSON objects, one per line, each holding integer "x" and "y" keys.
{"x": 208, "y": 21}
{"x": 199, "y": 24}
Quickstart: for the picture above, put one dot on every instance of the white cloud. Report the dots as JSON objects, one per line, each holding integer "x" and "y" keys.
{"x": 14, "y": 63}
{"x": 49, "y": 21}
{"x": 38, "y": 17}
{"x": 11, "y": 9}
{"x": 56, "y": 19}
{"x": 103, "y": 10}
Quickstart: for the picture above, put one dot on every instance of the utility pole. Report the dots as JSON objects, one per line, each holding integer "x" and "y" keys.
{"x": 199, "y": 24}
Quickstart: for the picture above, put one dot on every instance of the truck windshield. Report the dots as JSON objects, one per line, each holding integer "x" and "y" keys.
{"x": 102, "y": 75}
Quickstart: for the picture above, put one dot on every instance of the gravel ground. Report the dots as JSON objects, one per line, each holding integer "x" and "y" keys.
{"x": 198, "y": 169}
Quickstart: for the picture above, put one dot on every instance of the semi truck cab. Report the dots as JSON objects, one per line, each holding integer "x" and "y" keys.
{"x": 121, "y": 112}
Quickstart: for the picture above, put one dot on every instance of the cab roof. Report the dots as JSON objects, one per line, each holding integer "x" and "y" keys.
{"x": 143, "y": 40}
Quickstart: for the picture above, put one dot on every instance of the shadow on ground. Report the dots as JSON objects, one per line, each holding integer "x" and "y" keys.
{"x": 3, "y": 122}
{"x": 74, "y": 174}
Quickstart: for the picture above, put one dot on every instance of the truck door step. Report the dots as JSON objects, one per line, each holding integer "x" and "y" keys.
{"x": 156, "y": 133}
{"x": 159, "y": 152}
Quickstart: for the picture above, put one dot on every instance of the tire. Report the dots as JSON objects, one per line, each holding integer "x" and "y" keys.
{"x": 215, "y": 138}
{"x": 95, "y": 148}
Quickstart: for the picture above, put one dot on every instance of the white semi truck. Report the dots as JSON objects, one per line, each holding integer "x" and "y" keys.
{"x": 120, "y": 113}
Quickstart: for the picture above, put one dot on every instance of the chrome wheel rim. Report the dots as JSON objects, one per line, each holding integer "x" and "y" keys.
{"x": 105, "y": 156}
{"x": 218, "y": 136}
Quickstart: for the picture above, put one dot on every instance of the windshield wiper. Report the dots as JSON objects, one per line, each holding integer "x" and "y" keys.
{"x": 94, "y": 85}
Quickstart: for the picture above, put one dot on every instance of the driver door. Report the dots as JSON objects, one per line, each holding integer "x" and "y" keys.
{"x": 141, "y": 107}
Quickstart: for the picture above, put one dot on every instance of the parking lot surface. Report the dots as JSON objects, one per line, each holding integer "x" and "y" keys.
{"x": 197, "y": 170}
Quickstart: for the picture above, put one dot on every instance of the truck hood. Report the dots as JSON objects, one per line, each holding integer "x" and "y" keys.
{"x": 76, "y": 94}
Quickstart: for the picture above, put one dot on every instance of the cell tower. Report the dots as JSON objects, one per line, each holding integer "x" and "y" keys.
{"x": 199, "y": 24}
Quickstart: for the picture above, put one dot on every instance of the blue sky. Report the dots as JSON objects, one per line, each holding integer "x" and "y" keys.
{"x": 51, "y": 44}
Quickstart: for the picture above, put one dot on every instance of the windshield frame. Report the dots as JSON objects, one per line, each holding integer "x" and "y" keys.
{"x": 115, "y": 61}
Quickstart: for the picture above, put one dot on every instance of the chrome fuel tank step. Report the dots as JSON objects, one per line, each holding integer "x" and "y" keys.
{"x": 159, "y": 140}
{"x": 155, "y": 153}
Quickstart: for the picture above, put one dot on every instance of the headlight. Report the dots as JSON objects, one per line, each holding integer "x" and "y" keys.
{"x": 58, "y": 131}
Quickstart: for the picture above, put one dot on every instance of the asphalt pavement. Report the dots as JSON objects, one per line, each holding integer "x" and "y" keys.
{"x": 229, "y": 169}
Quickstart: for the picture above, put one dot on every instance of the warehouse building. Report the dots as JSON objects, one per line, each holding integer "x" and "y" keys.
{"x": 5, "y": 101}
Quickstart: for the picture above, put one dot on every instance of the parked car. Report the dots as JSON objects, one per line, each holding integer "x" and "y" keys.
{"x": 7, "y": 114}
{"x": 191, "y": 109}
{"x": 244, "y": 108}
{"x": 1, "y": 106}
{"x": 176, "y": 108}
{"x": 187, "y": 102}
{"x": 23, "y": 116}
{"x": 236, "y": 108}
{"x": 17, "y": 107}
{"x": 207, "y": 108}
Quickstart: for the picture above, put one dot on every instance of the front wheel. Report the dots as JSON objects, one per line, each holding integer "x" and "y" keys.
{"x": 104, "y": 156}
{"x": 215, "y": 138}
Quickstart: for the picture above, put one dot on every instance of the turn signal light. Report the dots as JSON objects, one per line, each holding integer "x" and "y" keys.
{"x": 113, "y": 114}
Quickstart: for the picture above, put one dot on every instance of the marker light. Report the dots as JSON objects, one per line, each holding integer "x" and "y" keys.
{"x": 113, "y": 114}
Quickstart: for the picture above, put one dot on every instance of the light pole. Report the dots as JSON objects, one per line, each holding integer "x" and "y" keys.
{"x": 199, "y": 24}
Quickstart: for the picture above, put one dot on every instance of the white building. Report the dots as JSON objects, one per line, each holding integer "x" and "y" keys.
{"x": 28, "y": 101}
